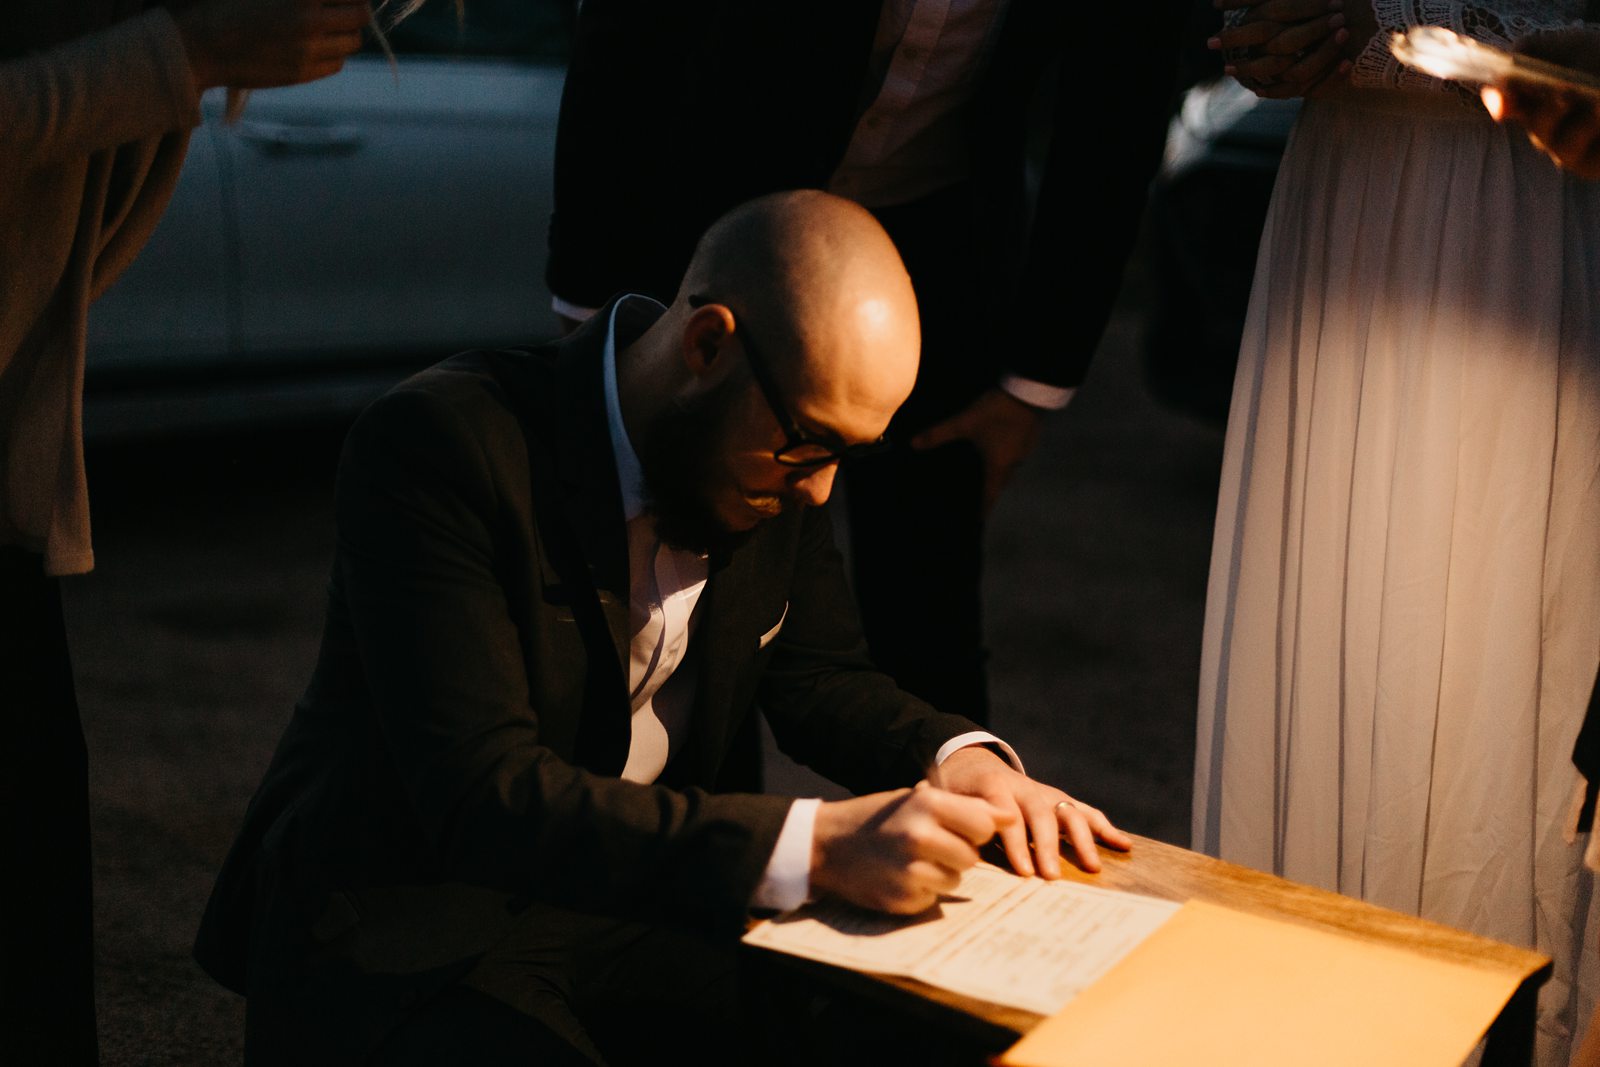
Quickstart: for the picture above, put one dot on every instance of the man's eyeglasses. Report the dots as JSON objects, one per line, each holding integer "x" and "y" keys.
{"x": 800, "y": 449}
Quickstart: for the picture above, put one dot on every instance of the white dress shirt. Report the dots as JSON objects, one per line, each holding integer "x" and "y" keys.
{"x": 664, "y": 587}
{"x": 910, "y": 141}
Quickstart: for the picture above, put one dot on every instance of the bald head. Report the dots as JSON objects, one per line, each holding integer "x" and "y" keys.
{"x": 817, "y": 280}
{"x": 793, "y": 340}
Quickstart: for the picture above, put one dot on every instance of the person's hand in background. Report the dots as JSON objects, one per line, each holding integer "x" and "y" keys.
{"x": 1562, "y": 123}
{"x": 257, "y": 44}
{"x": 1288, "y": 48}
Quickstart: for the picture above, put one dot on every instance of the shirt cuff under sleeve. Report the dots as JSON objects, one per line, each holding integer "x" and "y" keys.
{"x": 786, "y": 883}
{"x": 978, "y": 737}
{"x": 1037, "y": 394}
{"x": 567, "y": 309}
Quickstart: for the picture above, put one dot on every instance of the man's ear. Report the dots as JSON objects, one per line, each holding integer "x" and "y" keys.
{"x": 704, "y": 334}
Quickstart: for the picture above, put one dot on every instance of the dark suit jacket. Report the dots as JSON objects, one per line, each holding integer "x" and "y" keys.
{"x": 675, "y": 112}
{"x": 455, "y": 756}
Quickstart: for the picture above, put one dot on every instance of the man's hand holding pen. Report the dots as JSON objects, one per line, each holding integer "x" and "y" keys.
{"x": 897, "y": 851}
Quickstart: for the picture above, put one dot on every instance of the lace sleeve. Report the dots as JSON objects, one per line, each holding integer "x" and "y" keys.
{"x": 1497, "y": 22}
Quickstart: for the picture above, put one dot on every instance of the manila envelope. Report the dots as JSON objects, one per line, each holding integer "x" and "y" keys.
{"x": 1216, "y": 986}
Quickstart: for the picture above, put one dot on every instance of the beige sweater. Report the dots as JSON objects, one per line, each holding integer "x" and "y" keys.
{"x": 96, "y": 104}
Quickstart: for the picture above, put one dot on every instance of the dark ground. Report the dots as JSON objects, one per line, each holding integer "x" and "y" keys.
{"x": 198, "y": 629}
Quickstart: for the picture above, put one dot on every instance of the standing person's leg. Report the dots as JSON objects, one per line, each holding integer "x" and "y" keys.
{"x": 916, "y": 518}
{"x": 46, "y": 903}
{"x": 916, "y": 536}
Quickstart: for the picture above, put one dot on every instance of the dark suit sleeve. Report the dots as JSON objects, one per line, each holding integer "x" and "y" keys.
{"x": 428, "y": 538}
{"x": 829, "y": 706}
{"x": 672, "y": 113}
{"x": 1117, "y": 70}
{"x": 627, "y": 210}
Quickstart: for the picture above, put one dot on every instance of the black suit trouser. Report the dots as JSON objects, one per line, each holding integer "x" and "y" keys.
{"x": 916, "y": 518}
{"x": 566, "y": 990}
{"x": 47, "y": 1013}
{"x": 577, "y": 991}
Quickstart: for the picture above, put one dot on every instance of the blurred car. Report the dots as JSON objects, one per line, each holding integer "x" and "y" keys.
{"x": 343, "y": 233}
{"x": 1207, "y": 208}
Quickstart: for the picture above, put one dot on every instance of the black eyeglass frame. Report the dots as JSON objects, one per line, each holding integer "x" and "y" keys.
{"x": 795, "y": 438}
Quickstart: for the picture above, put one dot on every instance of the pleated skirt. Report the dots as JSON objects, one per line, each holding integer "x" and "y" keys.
{"x": 1403, "y": 617}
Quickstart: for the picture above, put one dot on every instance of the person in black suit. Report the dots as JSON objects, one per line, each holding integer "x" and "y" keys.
{"x": 920, "y": 111}
{"x": 565, "y": 578}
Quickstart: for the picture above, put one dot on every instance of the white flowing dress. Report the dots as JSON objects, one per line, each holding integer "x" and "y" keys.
{"x": 1403, "y": 619}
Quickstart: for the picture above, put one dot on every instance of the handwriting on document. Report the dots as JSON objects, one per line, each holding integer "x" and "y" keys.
{"x": 1021, "y": 942}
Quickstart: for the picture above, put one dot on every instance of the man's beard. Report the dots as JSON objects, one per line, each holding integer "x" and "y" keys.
{"x": 680, "y": 462}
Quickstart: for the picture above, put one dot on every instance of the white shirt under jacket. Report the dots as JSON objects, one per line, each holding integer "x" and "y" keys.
{"x": 664, "y": 587}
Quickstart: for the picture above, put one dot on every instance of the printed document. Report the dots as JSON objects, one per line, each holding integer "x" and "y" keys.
{"x": 1019, "y": 942}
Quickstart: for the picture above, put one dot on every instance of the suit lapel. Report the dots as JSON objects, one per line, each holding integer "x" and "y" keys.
{"x": 587, "y": 558}
{"x": 733, "y": 618}
{"x": 588, "y": 473}
{"x": 589, "y": 500}
{"x": 585, "y": 564}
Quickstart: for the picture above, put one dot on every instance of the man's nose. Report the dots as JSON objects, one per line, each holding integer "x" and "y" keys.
{"x": 814, "y": 488}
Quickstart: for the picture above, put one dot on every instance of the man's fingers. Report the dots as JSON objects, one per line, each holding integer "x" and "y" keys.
{"x": 944, "y": 849}
{"x": 934, "y": 878}
{"x": 1044, "y": 825}
{"x": 932, "y": 829}
{"x": 917, "y": 889}
{"x": 1014, "y": 839}
{"x": 1075, "y": 827}
{"x": 974, "y": 819}
{"x": 1103, "y": 829}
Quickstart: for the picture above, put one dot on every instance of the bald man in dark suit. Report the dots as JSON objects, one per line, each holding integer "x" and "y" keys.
{"x": 507, "y": 819}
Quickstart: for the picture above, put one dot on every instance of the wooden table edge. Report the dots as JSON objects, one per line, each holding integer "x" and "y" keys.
{"x": 1154, "y": 868}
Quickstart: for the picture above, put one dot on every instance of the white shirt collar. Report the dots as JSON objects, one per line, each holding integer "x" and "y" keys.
{"x": 630, "y": 475}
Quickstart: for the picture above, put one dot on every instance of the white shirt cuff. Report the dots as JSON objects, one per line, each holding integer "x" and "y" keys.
{"x": 567, "y": 309}
{"x": 977, "y": 737}
{"x": 1032, "y": 393}
{"x": 786, "y": 883}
